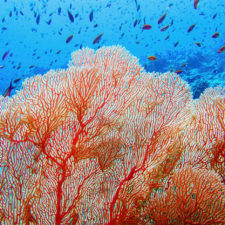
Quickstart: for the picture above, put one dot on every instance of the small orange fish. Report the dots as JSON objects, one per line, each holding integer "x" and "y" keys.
{"x": 178, "y": 71}
{"x": 216, "y": 35}
{"x": 152, "y": 58}
{"x": 196, "y": 4}
{"x": 146, "y": 27}
{"x": 221, "y": 49}
{"x": 165, "y": 28}
{"x": 198, "y": 44}
{"x": 184, "y": 64}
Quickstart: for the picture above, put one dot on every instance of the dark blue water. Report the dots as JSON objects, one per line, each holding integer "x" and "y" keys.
{"x": 37, "y": 36}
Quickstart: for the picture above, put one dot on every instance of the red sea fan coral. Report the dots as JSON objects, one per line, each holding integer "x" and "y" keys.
{"x": 211, "y": 111}
{"x": 195, "y": 196}
{"x": 92, "y": 144}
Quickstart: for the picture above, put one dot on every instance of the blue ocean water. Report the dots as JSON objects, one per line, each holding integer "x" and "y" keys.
{"x": 37, "y": 36}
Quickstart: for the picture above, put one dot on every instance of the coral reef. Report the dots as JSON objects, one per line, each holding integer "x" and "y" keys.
{"x": 104, "y": 142}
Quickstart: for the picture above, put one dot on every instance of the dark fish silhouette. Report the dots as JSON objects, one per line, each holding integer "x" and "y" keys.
{"x": 178, "y": 71}
{"x": 144, "y": 21}
{"x": 198, "y": 44}
{"x": 175, "y": 45}
{"x": 17, "y": 80}
{"x": 69, "y": 38}
{"x": 216, "y": 35}
{"x": 160, "y": 20}
{"x": 70, "y": 16}
{"x": 135, "y": 23}
{"x": 38, "y": 19}
{"x": 166, "y": 38}
{"x": 97, "y": 39}
{"x": 5, "y": 55}
{"x": 191, "y": 28}
{"x": 214, "y": 16}
{"x": 19, "y": 66}
{"x": 58, "y": 52}
{"x": 8, "y": 90}
{"x": 138, "y": 7}
{"x": 49, "y": 22}
{"x": 91, "y": 16}
{"x": 59, "y": 11}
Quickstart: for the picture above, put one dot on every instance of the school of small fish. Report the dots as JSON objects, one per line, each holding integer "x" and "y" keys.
{"x": 164, "y": 23}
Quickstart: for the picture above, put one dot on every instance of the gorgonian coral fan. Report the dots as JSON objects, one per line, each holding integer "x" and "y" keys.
{"x": 104, "y": 142}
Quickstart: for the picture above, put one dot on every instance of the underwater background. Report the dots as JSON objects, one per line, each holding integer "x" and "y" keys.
{"x": 180, "y": 35}
{"x": 104, "y": 142}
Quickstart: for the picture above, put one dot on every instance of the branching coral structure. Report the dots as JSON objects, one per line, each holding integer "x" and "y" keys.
{"x": 104, "y": 142}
